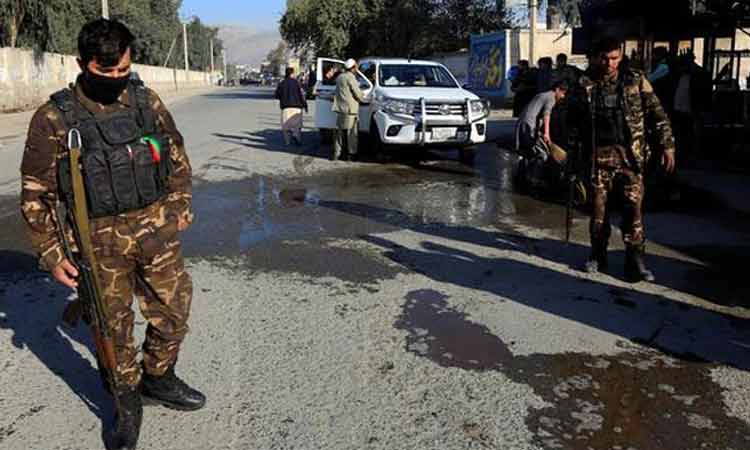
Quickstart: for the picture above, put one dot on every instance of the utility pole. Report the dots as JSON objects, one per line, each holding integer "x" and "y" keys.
{"x": 185, "y": 44}
{"x": 169, "y": 54}
{"x": 105, "y": 9}
{"x": 224, "y": 59}
{"x": 211, "y": 52}
{"x": 533, "y": 9}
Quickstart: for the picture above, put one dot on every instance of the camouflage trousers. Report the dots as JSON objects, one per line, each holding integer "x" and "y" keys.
{"x": 139, "y": 255}
{"x": 612, "y": 170}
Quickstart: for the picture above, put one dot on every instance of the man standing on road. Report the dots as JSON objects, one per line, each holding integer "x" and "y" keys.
{"x": 346, "y": 102}
{"x": 137, "y": 178}
{"x": 292, "y": 101}
{"x": 624, "y": 111}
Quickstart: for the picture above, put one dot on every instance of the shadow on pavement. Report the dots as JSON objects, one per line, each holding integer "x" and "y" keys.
{"x": 682, "y": 330}
{"x": 31, "y": 306}
{"x": 239, "y": 94}
{"x": 271, "y": 140}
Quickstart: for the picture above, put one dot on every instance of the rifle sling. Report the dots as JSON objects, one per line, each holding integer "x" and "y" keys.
{"x": 80, "y": 210}
{"x": 89, "y": 268}
{"x": 83, "y": 228}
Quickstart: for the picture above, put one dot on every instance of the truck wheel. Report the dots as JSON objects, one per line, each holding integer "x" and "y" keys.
{"x": 466, "y": 155}
{"x": 326, "y": 136}
{"x": 376, "y": 146}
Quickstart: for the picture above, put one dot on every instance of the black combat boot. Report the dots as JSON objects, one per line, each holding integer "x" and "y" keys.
{"x": 597, "y": 263}
{"x": 170, "y": 391}
{"x": 129, "y": 416}
{"x": 635, "y": 267}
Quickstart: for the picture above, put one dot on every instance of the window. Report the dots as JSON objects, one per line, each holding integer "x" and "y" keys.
{"x": 331, "y": 71}
{"x": 410, "y": 75}
{"x": 368, "y": 69}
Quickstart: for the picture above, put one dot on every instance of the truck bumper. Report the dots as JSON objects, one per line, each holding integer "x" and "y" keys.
{"x": 409, "y": 130}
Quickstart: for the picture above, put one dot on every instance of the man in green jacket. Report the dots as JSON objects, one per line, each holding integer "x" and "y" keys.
{"x": 346, "y": 102}
{"x": 625, "y": 110}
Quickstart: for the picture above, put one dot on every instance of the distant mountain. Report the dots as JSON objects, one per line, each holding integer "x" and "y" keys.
{"x": 247, "y": 45}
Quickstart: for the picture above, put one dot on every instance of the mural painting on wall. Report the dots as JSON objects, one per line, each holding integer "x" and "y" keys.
{"x": 487, "y": 65}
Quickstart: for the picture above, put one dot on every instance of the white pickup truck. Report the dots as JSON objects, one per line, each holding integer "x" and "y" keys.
{"x": 411, "y": 103}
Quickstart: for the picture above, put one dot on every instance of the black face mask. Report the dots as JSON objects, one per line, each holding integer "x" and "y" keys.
{"x": 104, "y": 90}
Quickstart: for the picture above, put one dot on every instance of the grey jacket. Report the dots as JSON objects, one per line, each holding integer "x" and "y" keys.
{"x": 348, "y": 96}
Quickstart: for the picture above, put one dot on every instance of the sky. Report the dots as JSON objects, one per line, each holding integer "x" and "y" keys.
{"x": 259, "y": 14}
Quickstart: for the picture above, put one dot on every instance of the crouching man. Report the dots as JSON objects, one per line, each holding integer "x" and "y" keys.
{"x": 533, "y": 140}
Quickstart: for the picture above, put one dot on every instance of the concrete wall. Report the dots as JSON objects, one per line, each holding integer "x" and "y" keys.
{"x": 457, "y": 63}
{"x": 548, "y": 43}
{"x": 27, "y": 79}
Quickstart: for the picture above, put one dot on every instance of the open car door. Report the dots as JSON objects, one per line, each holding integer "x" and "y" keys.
{"x": 325, "y": 118}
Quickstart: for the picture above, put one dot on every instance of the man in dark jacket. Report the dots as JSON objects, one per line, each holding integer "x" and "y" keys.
{"x": 292, "y": 100}
{"x": 523, "y": 86}
{"x": 625, "y": 110}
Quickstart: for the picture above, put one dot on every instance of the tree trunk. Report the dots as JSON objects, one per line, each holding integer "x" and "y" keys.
{"x": 554, "y": 14}
{"x": 16, "y": 18}
{"x": 13, "y": 31}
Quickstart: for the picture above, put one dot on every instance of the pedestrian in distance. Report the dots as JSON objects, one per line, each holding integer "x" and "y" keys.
{"x": 106, "y": 190}
{"x": 544, "y": 74}
{"x": 292, "y": 101}
{"x": 692, "y": 100}
{"x": 565, "y": 72}
{"x": 562, "y": 120}
{"x": 663, "y": 78}
{"x": 623, "y": 110}
{"x": 346, "y": 101}
{"x": 523, "y": 86}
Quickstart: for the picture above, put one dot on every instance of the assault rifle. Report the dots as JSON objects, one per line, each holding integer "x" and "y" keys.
{"x": 89, "y": 302}
{"x": 573, "y": 167}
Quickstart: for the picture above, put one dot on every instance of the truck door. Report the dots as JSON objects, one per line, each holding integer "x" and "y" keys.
{"x": 325, "y": 118}
{"x": 366, "y": 80}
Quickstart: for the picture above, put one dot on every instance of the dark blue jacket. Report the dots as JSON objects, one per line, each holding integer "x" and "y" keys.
{"x": 290, "y": 94}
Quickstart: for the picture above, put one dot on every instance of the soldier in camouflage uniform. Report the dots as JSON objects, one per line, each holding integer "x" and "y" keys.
{"x": 624, "y": 111}
{"x": 138, "y": 251}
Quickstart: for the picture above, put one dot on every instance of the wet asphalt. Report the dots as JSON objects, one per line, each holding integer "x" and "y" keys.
{"x": 465, "y": 276}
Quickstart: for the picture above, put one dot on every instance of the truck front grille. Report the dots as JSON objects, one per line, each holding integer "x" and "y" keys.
{"x": 440, "y": 109}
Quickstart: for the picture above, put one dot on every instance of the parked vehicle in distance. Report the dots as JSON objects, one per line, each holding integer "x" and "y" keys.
{"x": 411, "y": 103}
{"x": 249, "y": 81}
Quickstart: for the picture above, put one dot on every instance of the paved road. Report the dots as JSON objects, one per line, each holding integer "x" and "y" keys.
{"x": 397, "y": 306}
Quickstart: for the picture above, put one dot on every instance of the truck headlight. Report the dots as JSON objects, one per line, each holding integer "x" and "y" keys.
{"x": 480, "y": 108}
{"x": 396, "y": 106}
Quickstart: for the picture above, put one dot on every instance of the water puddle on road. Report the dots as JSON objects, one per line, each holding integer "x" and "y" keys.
{"x": 633, "y": 400}
{"x": 234, "y": 216}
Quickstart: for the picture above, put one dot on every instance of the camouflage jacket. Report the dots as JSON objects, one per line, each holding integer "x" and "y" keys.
{"x": 47, "y": 143}
{"x": 648, "y": 124}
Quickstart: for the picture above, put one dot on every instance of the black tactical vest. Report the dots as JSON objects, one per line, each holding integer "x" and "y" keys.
{"x": 611, "y": 127}
{"x": 122, "y": 167}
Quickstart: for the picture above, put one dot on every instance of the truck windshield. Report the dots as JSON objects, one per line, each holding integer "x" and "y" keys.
{"x": 410, "y": 75}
